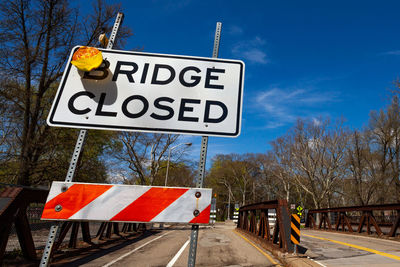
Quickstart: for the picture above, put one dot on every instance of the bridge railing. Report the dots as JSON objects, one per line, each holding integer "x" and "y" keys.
{"x": 255, "y": 220}
{"x": 14, "y": 203}
{"x": 382, "y": 220}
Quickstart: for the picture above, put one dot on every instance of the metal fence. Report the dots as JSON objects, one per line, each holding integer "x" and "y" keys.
{"x": 380, "y": 220}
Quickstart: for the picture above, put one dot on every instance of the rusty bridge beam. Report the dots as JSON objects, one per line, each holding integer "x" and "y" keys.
{"x": 359, "y": 208}
{"x": 396, "y": 225}
{"x": 259, "y": 228}
{"x": 14, "y": 201}
{"x": 272, "y": 204}
{"x": 24, "y": 235}
{"x": 374, "y": 223}
{"x": 347, "y": 222}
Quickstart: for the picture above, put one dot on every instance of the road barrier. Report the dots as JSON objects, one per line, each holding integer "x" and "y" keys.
{"x": 384, "y": 218}
{"x": 253, "y": 220}
{"x": 15, "y": 213}
{"x": 127, "y": 203}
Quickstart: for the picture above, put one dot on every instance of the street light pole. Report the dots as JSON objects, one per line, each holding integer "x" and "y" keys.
{"x": 169, "y": 156}
{"x": 166, "y": 173}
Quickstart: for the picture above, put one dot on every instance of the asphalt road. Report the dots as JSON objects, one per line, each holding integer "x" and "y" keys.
{"x": 220, "y": 245}
{"x": 336, "y": 249}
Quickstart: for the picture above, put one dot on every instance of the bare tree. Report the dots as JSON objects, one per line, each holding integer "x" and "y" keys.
{"x": 144, "y": 153}
{"x": 8, "y": 144}
{"x": 394, "y": 117}
{"x": 361, "y": 164}
{"x": 268, "y": 186}
{"x": 242, "y": 171}
{"x": 37, "y": 37}
{"x": 282, "y": 166}
{"x": 384, "y": 131}
{"x": 317, "y": 159}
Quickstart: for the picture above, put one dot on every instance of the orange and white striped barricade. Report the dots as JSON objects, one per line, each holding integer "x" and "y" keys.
{"x": 127, "y": 203}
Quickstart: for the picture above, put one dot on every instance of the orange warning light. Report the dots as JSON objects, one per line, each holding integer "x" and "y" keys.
{"x": 87, "y": 58}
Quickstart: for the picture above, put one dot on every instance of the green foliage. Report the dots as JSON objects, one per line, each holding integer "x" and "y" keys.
{"x": 54, "y": 163}
{"x": 180, "y": 174}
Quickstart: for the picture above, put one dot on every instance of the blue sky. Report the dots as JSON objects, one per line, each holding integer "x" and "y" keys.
{"x": 304, "y": 59}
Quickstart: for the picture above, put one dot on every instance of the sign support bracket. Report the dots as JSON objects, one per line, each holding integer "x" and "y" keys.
{"x": 202, "y": 164}
{"x": 80, "y": 142}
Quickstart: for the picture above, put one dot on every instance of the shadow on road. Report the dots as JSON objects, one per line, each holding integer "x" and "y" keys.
{"x": 94, "y": 252}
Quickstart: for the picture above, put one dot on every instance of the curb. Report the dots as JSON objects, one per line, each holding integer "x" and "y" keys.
{"x": 295, "y": 261}
{"x": 287, "y": 259}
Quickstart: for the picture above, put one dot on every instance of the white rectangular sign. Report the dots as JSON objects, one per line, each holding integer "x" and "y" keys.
{"x": 135, "y": 91}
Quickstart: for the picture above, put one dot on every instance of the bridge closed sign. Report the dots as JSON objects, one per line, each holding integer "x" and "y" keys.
{"x": 133, "y": 91}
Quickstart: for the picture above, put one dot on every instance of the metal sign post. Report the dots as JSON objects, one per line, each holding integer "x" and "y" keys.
{"x": 75, "y": 156}
{"x": 202, "y": 164}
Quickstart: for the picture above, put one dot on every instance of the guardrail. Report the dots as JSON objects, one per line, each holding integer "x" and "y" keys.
{"x": 385, "y": 219}
{"x": 254, "y": 221}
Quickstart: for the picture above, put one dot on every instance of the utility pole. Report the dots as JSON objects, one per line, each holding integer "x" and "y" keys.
{"x": 229, "y": 202}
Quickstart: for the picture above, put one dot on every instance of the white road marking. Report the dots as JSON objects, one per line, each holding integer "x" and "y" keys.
{"x": 176, "y": 257}
{"x": 136, "y": 249}
{"x": 318, "y": 263}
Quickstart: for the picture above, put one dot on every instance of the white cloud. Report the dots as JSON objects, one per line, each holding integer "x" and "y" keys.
{"x": 235, "y": 30}
{"x": 282, "y": 106}
{"x": 394, "y": 53}
{"x": 255, "y": 55}
{"x": 257, "y": 41}
{"x": 316, "y": 121}
{"x": 252, "y": 50}
{"x": 313, "y": 143}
